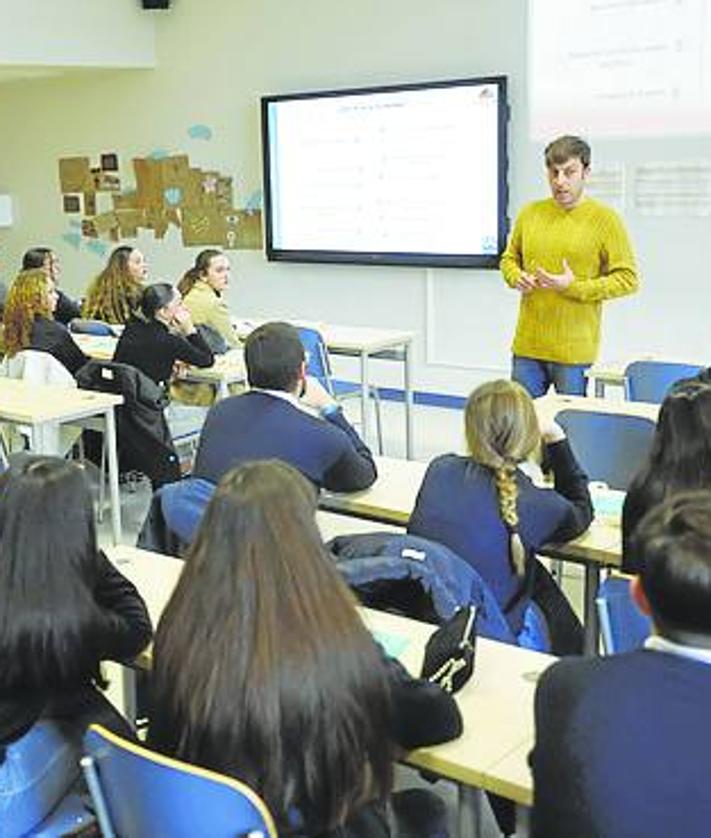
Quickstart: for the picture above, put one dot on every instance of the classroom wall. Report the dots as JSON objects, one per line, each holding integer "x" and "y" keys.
{"x": 216, "y": 57}
{"x": 75, "y": 33}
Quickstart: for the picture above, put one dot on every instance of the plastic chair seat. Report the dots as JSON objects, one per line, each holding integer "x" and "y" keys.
{"x": 622, "y": 625}
{"x": 650, "y": 381}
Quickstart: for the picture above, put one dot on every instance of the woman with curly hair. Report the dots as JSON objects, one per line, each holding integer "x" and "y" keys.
{"x": 113, "y": 296}
{"x": 485, "y": 509}
{"x": 29, "y": 321}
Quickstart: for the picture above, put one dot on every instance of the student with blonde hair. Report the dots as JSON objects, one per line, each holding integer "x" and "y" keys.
{"x": 115, "y": 293}
{"x": 485, "y": 509}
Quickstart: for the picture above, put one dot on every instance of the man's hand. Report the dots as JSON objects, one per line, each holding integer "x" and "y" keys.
{"x": 557, "y": 282}
{"x": 526, "y": 283}
{"x": 316, "y": 395}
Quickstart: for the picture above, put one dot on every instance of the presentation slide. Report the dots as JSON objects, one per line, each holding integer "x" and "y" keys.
{"x": 404, "y": 171}
{"x": 619, "y": 67}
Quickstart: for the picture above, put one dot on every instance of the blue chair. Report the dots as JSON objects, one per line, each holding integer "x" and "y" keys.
{"x": 137, "y": 792}
{"x": 622, "y": 625}
{"x": 650, "y": 381}
{"x": 70, "y": 816}
{"x": 610, "y": 447}
{"x": 91, "y": 327}
{"x": 318, "y": 365}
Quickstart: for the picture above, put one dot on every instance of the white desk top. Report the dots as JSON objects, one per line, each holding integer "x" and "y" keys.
{"x": 391, "y": 499}
{"x": 560, "y": 402}
{"x": 228, "y": 367}
{"x": 34, "y": 404}
{"x": 346, "y": 339}
{"x": 497, "y": 704}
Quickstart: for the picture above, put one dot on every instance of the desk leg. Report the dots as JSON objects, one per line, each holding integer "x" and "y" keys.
{"x": 469, "y": 812}
{"x": 223, "y": 389}
{"x": 407, "y": 373}
{"x": 364, "y": 393}
{"x": 592, "y": 583}
{"x": 599, "y": 388}
{"x": 110, "y": 420}
{"x": 128, "y": 677}
{"x": 40, "y": 441}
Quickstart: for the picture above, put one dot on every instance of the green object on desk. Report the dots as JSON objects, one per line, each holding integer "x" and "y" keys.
{"x": 608, "y": 504}
{"x": 394, "y": 644}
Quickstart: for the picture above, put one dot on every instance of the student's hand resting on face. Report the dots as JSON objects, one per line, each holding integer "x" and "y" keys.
{"x": 183, "y": 321}
{"x": 315, "y": 395}
{"x": 551, "y": 431}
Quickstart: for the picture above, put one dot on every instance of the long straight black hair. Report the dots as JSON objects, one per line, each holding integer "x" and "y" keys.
{"x": 263, "y": 668}
{"x": 50, "y": 624}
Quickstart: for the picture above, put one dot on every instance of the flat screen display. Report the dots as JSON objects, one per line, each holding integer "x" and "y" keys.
{"x": 413, "y": 174}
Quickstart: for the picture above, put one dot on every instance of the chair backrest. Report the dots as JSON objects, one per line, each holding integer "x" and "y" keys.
{"x": 137, "y": 792}
{"x": 650, "y": 381}
{"x": 609, "y": 446}
{"x": 622, "y": 625}
{"x": 91, "y": 327}
{"x": 318, "y": 364}
{"x": 37, "y": 367}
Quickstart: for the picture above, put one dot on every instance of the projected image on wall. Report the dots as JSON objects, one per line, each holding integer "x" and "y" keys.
{"x": 619, "y": 67}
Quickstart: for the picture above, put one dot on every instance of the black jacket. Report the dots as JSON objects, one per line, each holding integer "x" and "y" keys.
{"x": 152, "y": 348}
{"x": 143, "y": 438}
{"x": 127, "y": 631}
{"x": 54, "y": 338}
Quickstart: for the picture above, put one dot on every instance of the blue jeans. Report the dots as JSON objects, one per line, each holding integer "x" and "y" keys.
{"x": 537, "y": 376}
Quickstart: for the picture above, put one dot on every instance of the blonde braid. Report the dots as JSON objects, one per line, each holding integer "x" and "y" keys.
{"x": 507, "y": 489}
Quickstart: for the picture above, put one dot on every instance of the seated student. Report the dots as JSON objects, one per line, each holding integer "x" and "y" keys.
{"x": 203, "y": 287}
{"x": 115, "y": 293}
{"x": 28, "y": 321}
{"x": 623, "y": 743}
{"x": 283, "y": 687}
{"x": 487, "y": 511}
{"x": 679, "y": 460}
{"x": 47, "y": 260}
{"x": 163, "y": 335}
{"x": 269, "y": 420}
{"x": 64, "y": 608}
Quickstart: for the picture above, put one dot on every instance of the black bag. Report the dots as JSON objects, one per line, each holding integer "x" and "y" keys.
{"x": 449, "y": 654}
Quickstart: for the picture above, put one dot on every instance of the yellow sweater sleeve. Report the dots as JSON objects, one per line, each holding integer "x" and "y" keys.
{"x": 619, "y": 273}
{"x": 511, "y": 258}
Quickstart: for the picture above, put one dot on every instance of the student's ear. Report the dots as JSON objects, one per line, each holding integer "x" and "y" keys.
{"x": 639, "y": 597}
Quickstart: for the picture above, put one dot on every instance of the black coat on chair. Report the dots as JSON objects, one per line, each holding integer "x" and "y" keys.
{"x": 143, "y": 438}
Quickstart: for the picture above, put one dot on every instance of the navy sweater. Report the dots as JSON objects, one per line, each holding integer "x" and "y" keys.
{"x": 458, "y": 506}
{"x": 259, "y": 426}
{"x": 623, "y": 748}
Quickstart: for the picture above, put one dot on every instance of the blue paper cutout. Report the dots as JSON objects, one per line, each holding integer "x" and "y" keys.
{"x": 173, "y": 195}
{"x": 97, "y": 247}
{"x": 73, "y": 239}
{"x": 200, "y": 132}
{"x": 158, "y": 154}
{"x": 254, "y": 202}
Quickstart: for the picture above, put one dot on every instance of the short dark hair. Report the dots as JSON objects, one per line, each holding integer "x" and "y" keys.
{"x": 562, "y": 149}
{"x": 673, "y": 541}
{"x": 273, "y": 354}
{"x": 35, "y": 258}
{"x": 154, "y": 297}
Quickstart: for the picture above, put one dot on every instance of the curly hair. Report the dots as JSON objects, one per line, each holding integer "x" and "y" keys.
{"x": 114, "y": 295}
{"x": 502, "y": 431}
{"x": 26, "y": 300}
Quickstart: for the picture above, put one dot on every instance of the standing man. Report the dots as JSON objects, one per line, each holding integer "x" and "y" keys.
{"x": 566, "y": 255}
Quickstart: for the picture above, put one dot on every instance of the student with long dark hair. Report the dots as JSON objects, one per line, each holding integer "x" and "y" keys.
{"x": 203, "y": 287}
{"x": 163, "y": 335}
{"x": 44, "y": 258}
{"x": 263, "y": 669}
{"x": 113, "y": 296}
{"x": 63, "y": 609}
{"x": 485, "y": 509}
{"x": 679, "y": 460}
{"x": 29, "y": 322}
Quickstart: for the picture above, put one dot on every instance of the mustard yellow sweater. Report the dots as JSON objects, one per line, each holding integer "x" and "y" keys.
{"x": 564, "y": 326}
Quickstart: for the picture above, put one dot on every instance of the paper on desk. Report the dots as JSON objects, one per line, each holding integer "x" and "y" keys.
{"x": 393, "y": 644}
